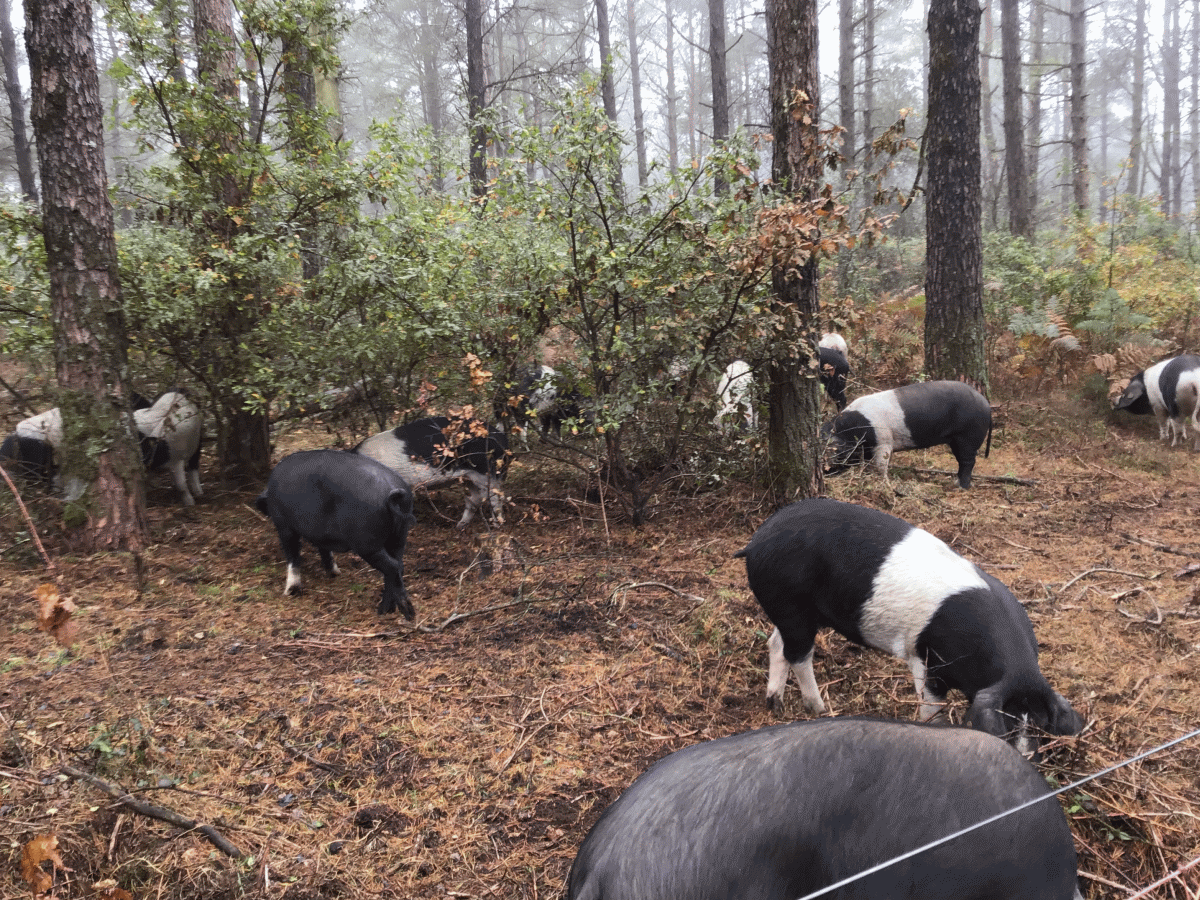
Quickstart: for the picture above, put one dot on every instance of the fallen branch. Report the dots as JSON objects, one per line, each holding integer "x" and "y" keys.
{"x": 1001, "y": 479}
{"x": 1158, "y": 545}
{"x": 1088, "y": 572}
{"x": 154, "y": 811}
{"x": 37, "y": 541}
{"x": 633, "y": 586}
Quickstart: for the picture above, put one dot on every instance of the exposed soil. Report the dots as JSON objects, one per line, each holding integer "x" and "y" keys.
{"x": 355, "y": 755}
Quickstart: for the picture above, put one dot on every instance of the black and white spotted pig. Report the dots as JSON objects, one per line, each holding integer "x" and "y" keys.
{"x": 169, "y": 434}
{"x": 341, "y": 502}
{"x": 1171, "y": 390}
{"x": 912, "y": 417}
{"x": 432, "y": 452}
{"x": 883, "y": 583}
{"x": 29, "y": 450}
{"x": 835, "y": 369}
{"x": 782, "y": 812}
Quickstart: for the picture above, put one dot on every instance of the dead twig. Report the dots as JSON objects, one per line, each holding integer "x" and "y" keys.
{"x": 1000, "y": 479}
{"x": 632, "y": 586}
{"x": 1088, "y": 572}
{"x": 1158, "y": 614}
{"x": 1158, "y": 545}
{"x": 154, "y": 811}
{"x": 37, "y": 541}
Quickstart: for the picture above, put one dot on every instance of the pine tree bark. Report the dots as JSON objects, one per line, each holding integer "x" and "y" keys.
{"x": 1171, "y": 117}
{"x": 720, "y": 82}
{"x": 16, "y": 106}
{"x": 793, "y": 396}
{"x": 1079, "y": 156}
{"x": 243, "y": 436}
{"x": 954, "y": 321}
{"x": 91, "y": 355}
{"x": 1137, "y": 117}
{"x": 477, "y": 167}
{"x": 1019, "y": 217}
{"x": 1037, "y": 41}
{"x": 672, "y": 97}
{"x": 635, "y": 78}
{"x": 846, "y": 77}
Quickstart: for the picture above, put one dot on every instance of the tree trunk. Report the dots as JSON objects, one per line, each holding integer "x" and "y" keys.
{"x": 243, "y": 444}
{"x": 720, "y": 82}
{"x": 635, "y": 78}
{"x": 1037, "y": 36}
{"x": 793, "y": 396}
{"x": 846, "y": 77}
{"x": 992, "y": 166}
{"x": 1171, "y": 118}
{"x": 1079, "y": 161}
{"x": 607, "y": 83}
{"x": 672, "y": 98}
{"x": 1137, "y": 118}
{"x": 1195, "y": 111}
{"x": 91, "y": 360}
{"x": 1019, "y": 218}
{"x": 954, "y": 322}
{"x": 16, "y": 106}
{"x": 868, "y": 100}
{"x": 473, "y": 13}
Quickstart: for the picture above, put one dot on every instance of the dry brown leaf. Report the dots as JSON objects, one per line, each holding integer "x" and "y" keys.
{"x": 108, "y": 890}
{"x": 41, "y": 849}
{"x": 54, "y": 614}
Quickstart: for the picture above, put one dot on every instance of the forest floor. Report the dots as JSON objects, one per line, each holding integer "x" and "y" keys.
{"x": 351, "y": 755}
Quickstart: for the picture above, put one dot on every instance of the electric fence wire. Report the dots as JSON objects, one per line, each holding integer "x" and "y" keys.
{"x": 1008, "y": 812}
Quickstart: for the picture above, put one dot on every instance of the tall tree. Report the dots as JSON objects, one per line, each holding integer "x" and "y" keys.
{"x": 1079, "y": 160}
{"x": 1195, "y": 106}
{"x": 794, "y": 400}
{"x": 476, "y": 102}
{"x": 90, "y": 358}
{"x": 1137, "y": 119}
{"x": 720, "y": 81}
{"x": 16, "y": 105}
{"x": 1171, "y": 117}
{"x": 846, "y": 75}
{"x": 635, "y": 87}
{"x": 608, "y": 89}
{"x": 954, "y": 322}
{"x": 868, "y": 54}
{"x": 672, "y": 94}
{"x": 1020, "y": 219}
{"x": 1037, "y": 40}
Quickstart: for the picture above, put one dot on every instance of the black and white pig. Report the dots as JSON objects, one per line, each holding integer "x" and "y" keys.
{"x": 169, "y": 433}
{"x": 782, "y": 812}
{"x": 432, "y": 452}
{"x": 1171, "y": 390}
{"x": 912, "y": 417}
{"x": 342, "y": 502}
{"x": 29, "y": 450}
{"x": 883, "y": 583}
{"x": 835, "y": 369}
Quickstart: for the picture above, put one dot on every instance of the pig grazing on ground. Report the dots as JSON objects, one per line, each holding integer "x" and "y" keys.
{"x": 341, "y": 502}
{"x": 782, "y": 812}
{"x": 911, "y": 418}
{"x": 882, "y": 583}
{"x": 1171, "y": 390}
{"x": 29, "y": 450}
{"x": 169, "y": 435}
{"x": 432, "y": 452}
